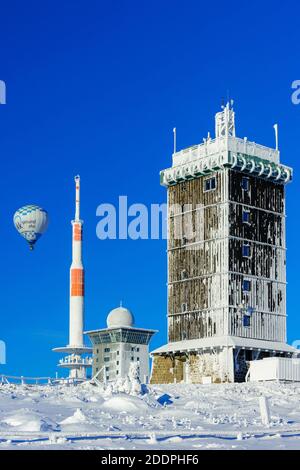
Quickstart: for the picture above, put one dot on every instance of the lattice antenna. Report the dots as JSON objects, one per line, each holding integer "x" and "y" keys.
{"x": 225, "y": 121}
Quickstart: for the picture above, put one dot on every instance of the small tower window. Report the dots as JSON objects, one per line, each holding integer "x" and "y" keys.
{"x": 246, "y": 250}
{"x": 246, "y": 320}
{"x": 183, "y": 307}
{"x": 184, "y": 274}
{"x": 106, "y": 359}
{"x": 245, "y": 183}
{"x": 210, "y": 184}
{"x": 106, "y": 350}
{"x": 184, "y": 241}
{"x": 246, "y": 285}
{"x": 246, "y": 216}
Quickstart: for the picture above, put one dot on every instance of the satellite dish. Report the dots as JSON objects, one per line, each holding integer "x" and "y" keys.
{"x": 31, "y": 222}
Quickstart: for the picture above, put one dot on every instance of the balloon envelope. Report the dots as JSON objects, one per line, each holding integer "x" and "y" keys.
{"x": 31, "y": 222}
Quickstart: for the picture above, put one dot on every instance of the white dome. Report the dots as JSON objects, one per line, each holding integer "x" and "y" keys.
{"x": 118, "y": 317}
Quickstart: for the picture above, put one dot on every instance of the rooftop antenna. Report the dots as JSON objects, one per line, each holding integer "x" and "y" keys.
{"x": 2, "y": 92}
{"x": 174, "y": 133}
{"x": 276, "y": 135}
{"x": 225, "y": 121}
{"x": 77, "y": 201}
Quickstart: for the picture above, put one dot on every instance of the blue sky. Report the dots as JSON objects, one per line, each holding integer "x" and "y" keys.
{"x": 96, "y": 88}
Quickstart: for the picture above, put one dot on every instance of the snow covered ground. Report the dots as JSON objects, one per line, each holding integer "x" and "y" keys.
{"x": 162, "y": 417}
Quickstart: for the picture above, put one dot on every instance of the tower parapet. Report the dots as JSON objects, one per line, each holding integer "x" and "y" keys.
{"x": 226, "y": 151}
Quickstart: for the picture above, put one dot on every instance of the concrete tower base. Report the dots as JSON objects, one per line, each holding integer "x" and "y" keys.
{"x": 223, "y": 360}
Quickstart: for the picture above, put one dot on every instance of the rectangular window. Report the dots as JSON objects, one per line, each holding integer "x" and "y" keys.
{"x": 106, "y": 359}
{"x": 183, "y": 307}
{"x": 246, "y": 285}
{"x": 117, "y": 372}
{"x": 246, "y": 320}
{"x": 246, "y": 216}
{"x": 132, "y": 349}
{"x": 132, "y": 358}
{"x": 184, "y": 241}
{"x": 107, "y": 369}
{"x": 106, "y": 350}
{"x": 107, "y": 377}
{"x": 97, "y": 351}
{"x": 184, "y": 274}
{"x": 117, "y": 363}
{"x": 246, "y": 250}
{"x": 245, "y": 183}
{"x": 210, "y": 184}
{"x": 137, "y": 358}
{"x": 137, "y": 349}
{"x": 118, "y": 352}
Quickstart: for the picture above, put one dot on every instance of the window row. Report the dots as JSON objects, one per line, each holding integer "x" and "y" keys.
{"x": 107, "y": 350}
{"x": 211, "y": 183}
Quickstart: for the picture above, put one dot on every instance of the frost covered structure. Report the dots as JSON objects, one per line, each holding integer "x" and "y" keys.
{"x": 121, "y": 349}
{"x": 226, "y": 258}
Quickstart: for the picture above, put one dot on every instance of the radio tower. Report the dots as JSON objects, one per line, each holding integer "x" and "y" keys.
{"x": 74, "y": 361}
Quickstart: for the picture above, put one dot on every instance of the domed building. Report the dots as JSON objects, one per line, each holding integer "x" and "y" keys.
{"x": 119, "y": 345}
{"x": 120, "y": 316}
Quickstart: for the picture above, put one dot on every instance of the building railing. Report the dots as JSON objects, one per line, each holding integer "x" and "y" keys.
{"x": 233, "y": 144}
{"x": 12, "y": 379}
{"x": 76, "y": 360}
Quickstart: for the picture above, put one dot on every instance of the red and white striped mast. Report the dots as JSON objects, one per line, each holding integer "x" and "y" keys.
{"x": 76, "y": 276}
{"x": 76, "y": 348}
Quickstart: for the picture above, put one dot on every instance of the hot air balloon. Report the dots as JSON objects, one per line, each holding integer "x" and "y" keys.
{"x": 31, "y": 222}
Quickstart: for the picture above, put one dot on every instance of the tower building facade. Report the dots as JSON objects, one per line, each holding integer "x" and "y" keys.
{"x": 75, "y": 360}
{"x": 226, "y": 258}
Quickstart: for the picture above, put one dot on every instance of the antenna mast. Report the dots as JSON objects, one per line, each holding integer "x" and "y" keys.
{"x": 276, "y": 135}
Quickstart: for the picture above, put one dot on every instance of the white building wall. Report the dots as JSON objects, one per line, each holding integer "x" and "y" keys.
{"x": 118, "y": 359}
